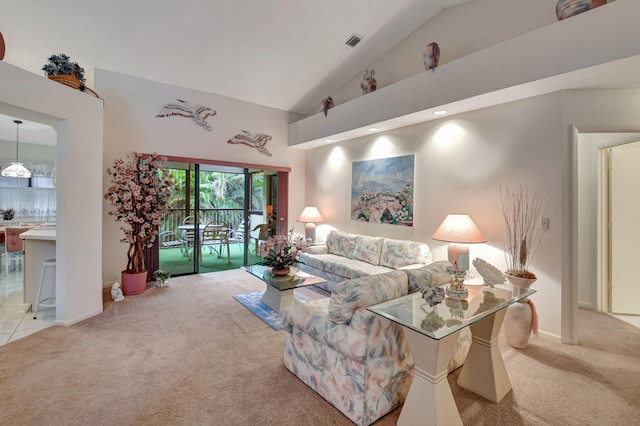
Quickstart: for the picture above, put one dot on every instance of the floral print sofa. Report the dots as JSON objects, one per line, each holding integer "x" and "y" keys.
{"x": 355, "y": 359}
{"x": 347, "y": 256}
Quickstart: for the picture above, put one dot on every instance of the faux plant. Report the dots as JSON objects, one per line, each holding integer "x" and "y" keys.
{"x": 139, "y": 190}
{"x": 522, "y": 209}
{"x": 282, "y": 251}
{"x": 162, "y": 275}
{"x": 8, "y": 214}
{"x": 59, "y": 65}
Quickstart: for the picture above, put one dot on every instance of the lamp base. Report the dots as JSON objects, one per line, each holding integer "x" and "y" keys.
{"x": 310, "y": 232}
{"x": 459, "y": 255}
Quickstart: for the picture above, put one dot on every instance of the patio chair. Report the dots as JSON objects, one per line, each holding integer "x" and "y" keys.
{"x": 263, "y": 235}
{"x": 216, "y": 237}
{"x": 238, "y": 235}
{"x": 169, "y": 239}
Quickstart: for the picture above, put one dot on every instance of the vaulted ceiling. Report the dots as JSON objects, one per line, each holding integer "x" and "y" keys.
{"x": 285, "y": 54}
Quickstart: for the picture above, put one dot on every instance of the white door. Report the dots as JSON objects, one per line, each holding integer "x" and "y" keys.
{"x": 625, "y": 229}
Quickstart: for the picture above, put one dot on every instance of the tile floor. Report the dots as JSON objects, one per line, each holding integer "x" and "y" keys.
{"x": 16, "y": 318}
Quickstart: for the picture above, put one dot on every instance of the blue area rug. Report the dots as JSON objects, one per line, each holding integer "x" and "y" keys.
{"x": 252, "y": 302}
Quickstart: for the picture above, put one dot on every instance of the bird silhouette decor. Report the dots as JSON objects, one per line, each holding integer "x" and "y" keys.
{"x": 198, "y": 113}
{"x": 257, "y": 141}
{"x": 326, "y": 104}
{"x": 431, "y": 56}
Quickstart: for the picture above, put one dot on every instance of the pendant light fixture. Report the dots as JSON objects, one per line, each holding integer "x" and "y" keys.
{"x": 16, "y": 169}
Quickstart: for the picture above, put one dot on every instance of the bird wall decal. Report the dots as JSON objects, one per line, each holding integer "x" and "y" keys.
{"x": 257, "y": 141}
{"x": 198, "y": 113}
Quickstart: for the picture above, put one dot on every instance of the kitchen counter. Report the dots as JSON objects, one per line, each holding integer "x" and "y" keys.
{"x": 39, "y": 245}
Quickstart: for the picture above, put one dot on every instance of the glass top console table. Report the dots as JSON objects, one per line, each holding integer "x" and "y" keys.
{"x": 432, "y": 333}
{"x": 279, "y": 292}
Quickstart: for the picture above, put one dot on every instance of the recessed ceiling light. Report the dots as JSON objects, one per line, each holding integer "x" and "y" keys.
{"x": 373, "y": 129}
{"x": 328, "y": 140}
{"x": 440, "y": 112}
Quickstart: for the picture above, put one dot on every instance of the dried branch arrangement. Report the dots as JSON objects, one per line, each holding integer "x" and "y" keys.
{"x": 522, "y": 209}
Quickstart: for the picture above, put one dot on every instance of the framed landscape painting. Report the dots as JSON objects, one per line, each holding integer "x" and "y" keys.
{"x": 382, "y": 190}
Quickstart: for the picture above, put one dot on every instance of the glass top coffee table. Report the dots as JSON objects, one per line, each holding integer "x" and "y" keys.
{"x": 432, "y": 333}
{"x": 279, "y": 292}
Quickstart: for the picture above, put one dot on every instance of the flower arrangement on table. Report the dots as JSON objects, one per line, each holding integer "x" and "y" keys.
{"x": 162, "y": 277}
{"x": 281, "y": 252}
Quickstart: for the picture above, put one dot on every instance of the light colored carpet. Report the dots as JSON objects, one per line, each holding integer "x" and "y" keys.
{"x": 189, "y": 354}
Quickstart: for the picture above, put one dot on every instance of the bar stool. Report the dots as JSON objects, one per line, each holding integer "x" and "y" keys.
{"x": 49, "y": 302}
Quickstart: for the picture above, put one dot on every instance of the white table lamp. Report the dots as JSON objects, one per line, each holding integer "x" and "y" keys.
{"x": 310, "y": 216}
{"x": 459, "y": 230}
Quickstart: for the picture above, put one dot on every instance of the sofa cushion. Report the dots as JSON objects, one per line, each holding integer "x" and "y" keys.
{"x": 319, "y": 261}
{"x": 368, "y": 249}
{"x": 350, "y": 268}
{"x": 349, "y": 296}
{"x": 397, "y": 253}
{"x": 431, "y": 275}
{"x": 341, "y": 243}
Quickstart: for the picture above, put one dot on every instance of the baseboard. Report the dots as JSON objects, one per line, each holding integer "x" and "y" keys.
{"x": 585, "y": 305}
{"x": 66, "y": 323}
{"x": 549, "y": 337}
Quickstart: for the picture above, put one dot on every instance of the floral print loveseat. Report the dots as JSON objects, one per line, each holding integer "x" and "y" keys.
{"x": 355, "y": 359}
{"x": 347, "y": 256}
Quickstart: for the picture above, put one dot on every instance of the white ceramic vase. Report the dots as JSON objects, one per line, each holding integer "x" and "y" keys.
{"x": 521, "y": 317}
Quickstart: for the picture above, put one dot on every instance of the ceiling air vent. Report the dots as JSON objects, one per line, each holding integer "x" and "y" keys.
{"x": 353, "y": 40}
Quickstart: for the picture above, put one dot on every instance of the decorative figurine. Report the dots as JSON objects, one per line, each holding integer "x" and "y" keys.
{"x": 456, "y": 288}
{"x": 326, "y": 104}
{"x": 431, "y": 56}
{"x": 433, "y": 295}
{"x": 488, "y": 272}
{"x": 116, "y": 292}
{"x": 369, "y": 83}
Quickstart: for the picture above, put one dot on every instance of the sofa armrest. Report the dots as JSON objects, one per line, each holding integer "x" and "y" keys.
{"x": 319, "y": 249}
{"x": 350, "y": 295}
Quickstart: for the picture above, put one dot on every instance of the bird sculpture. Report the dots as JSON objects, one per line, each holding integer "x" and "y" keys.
{"x": 257, "y": 141}
{"x": 488, "y": 272}
{"x": 116, "y": 292}
{"x": 431, "y": 56}
{"x": 198, "y": 113}
{"x": 326, "y": 104}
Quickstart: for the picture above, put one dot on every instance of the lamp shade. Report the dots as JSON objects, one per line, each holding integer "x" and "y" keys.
{"x": 458, "y": 228}
{"x": 309, "y": 215}
{"x": 16, "y": 169}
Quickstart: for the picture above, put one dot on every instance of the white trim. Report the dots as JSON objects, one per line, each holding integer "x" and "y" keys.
{"x": 585, "y": 305}
{"x": 66, "y": 323}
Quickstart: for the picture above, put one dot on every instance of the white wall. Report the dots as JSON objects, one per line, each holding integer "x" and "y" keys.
{"x": 459, "y": 31}
{"x": 460, "y": 163}
{"x": 131, "y": 105}
{"x": 27, "y": 152}
{"x": 77, "y": 119}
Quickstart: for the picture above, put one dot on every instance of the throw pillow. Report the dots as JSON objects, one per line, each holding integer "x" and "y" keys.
{"x": 433, "y": 274}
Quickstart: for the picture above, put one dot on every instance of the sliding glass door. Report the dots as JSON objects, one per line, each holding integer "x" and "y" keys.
{"x": 206, "y": 197}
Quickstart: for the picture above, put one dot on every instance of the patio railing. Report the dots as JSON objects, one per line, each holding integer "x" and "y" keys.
{"x": 175, "y": 217}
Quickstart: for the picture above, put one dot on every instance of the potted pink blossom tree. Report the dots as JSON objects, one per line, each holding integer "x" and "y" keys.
{"x": 139, "y": 190}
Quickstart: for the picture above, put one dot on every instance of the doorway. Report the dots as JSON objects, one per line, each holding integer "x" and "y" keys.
{"x": 215, "y": 216}
{"x": 620, "y": 229}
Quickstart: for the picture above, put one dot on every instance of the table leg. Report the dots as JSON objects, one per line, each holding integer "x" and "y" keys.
{"x": 276, "y": 299}
{"x": 484, "y": 372}
{"x": 430, "y": 401}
